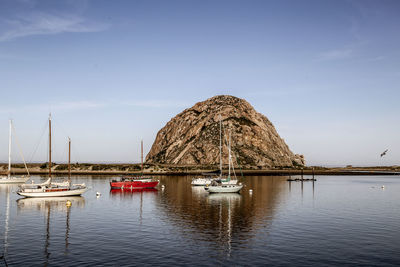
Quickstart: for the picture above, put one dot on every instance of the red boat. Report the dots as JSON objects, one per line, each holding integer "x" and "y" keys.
{"x": 133, "y": 183}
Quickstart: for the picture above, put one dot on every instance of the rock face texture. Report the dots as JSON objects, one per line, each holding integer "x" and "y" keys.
{"x": 193, "y": 137}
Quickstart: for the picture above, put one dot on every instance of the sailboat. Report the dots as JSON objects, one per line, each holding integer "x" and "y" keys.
{"x": 206, "y": 181}
{"x": 50, "y": 188}
{"x": 217, "y": 186}
{"x": 13, "y": 179}
{"x": 134, "y": 182}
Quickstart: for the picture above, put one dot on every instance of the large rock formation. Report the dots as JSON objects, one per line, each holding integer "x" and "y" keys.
{"x": 192, "y": 137}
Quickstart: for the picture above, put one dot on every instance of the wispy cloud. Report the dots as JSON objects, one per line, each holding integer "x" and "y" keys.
{"x": 44, "y": 23}
{"x": 77, "y": 105}
{"x": 85, "y": 104}
{"x": 374, "y": 59}
{"x": 61, "y": 106}
{"x": 337, "y": 54}
{"x": 156, "y": 104}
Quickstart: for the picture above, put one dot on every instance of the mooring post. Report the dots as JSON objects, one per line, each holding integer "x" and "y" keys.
{"x": 313, "y": 173}
{"x": 302, "y": 173}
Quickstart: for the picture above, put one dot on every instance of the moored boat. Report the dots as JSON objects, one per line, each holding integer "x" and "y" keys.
{"x": 53, "y": 192}
{"x": 11, "y": 179}
{"x": 53, "y": 189}
{"x": 134, "y": 182}
{"x": 139, "y": 182}
{"x": 206, "y": 181}
{"x": 224, "y": 186}
{"x": 202, "y": 181}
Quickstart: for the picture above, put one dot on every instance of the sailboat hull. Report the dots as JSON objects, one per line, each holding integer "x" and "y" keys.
{"x": 52, "y": 193}
{"x": 208, "y": 181}
{"x": 224, "y": 188}
{"x": 201, "y": 181}
{"x": 13, "y": 180}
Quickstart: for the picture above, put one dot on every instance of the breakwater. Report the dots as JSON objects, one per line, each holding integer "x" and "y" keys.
{"x": 153, "y": 169}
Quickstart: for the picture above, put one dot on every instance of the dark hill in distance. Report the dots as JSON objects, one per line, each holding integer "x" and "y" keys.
{"x": 192, "y": 137}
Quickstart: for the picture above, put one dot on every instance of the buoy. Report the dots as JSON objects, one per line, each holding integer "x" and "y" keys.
{"x": 98, "y": 194}
{"x": 383, "y": 187}
{"x": 163, "y": 186}
{"x": 68, "y": 204}
{"x": 250, "y": 191}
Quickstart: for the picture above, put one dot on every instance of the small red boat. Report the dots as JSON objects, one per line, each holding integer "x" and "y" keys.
{"x": 133, "y": 183}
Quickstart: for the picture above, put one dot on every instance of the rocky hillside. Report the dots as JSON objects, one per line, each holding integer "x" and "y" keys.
{"x": 192, "y": 137}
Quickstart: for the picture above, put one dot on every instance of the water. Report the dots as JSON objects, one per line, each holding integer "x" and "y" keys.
{"x": 341, "y": 220}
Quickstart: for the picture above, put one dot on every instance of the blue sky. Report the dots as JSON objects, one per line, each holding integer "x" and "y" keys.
{"x": 326, "y": 73}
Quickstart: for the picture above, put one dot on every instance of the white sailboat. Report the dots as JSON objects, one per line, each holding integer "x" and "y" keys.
{"x": 206, "y": 181}
{"x": 219, "y": 187}
{"x": 53, "y": 189}
{"x": 9, "y": 179}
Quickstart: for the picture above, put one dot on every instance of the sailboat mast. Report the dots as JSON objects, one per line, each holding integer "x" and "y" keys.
{"x": 220, "y": 146}
{"x": 141, "y": 151}
{"x": 9, "y": 151}
{"x": 229, "y": 155}
{"x": 69, "y": 160}
{"x": 50, "y": 145}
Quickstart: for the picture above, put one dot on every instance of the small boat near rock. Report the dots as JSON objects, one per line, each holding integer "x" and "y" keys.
{"x": 224, "y": 186}
{"x": 134, "y": 182}
{"x": 131, "y": 182}
{"x": 206, "y": 181}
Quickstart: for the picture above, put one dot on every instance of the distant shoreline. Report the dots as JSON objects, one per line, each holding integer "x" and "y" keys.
{"x": 151, "y": 169}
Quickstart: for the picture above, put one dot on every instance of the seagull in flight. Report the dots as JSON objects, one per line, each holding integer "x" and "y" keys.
{"x": 384, "y": 153}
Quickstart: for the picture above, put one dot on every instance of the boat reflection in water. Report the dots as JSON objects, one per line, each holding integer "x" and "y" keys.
{"x": 6, "y": 188}
{"x": 226, "y": 204}
{"x": 228, "y": 220}
{"x": 199, "y": 192}
{"x": 47, "y": 205}
{"x": 130, "y": 192}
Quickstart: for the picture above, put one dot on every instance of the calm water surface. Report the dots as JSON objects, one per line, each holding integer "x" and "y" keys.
{"x": 341, "y": 220}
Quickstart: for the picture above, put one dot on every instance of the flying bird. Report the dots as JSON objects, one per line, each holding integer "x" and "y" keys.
{"x": 384, "y": 153}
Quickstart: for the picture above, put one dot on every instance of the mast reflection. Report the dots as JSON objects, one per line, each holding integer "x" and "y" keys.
{"x": 47, "y": 206}
{"x": 226, "y": 204}
{"x": 7, "y": 189}
{"x": 225, "y": 219}
{"x": 129, "y": 194}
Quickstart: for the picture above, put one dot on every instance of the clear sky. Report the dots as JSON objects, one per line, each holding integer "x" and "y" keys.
{"x": 326, "y": 73}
